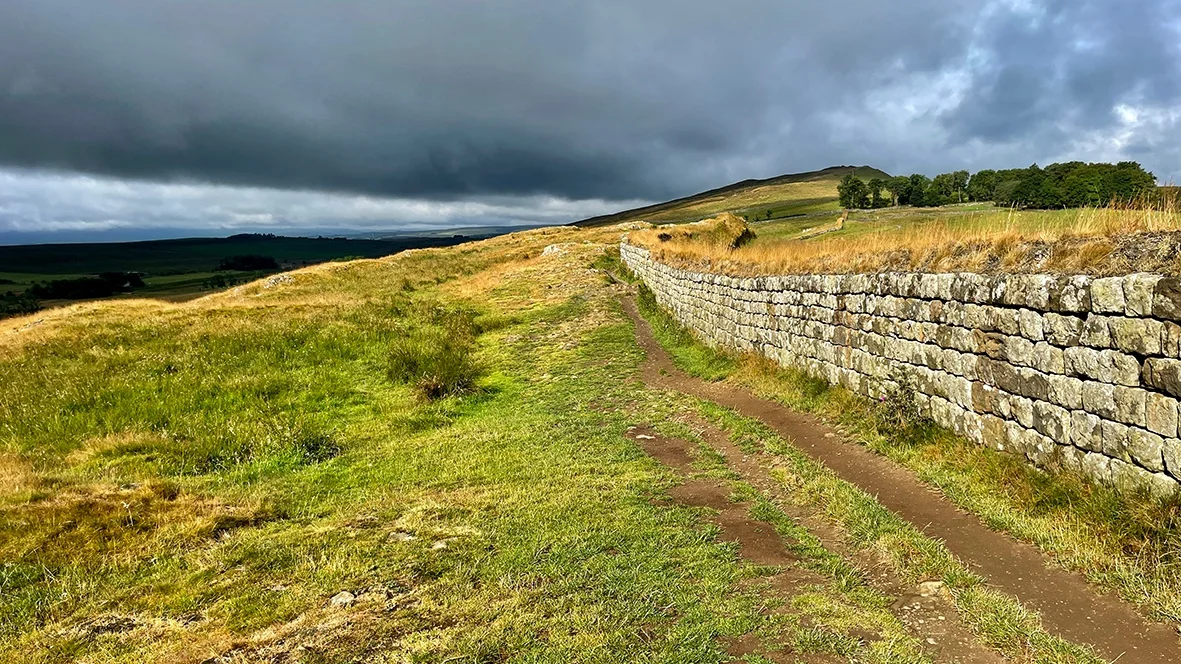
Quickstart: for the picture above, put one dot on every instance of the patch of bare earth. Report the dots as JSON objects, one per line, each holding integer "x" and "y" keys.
{"x": 926, "y": 610}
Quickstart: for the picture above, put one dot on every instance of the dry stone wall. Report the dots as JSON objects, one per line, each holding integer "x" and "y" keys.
{"x": 1070, "y": 372}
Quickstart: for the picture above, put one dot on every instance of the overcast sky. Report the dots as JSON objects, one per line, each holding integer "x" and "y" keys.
{"x": 159, "y": 117}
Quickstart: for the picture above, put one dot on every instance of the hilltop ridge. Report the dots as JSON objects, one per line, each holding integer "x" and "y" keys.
{"x": 792, "y": 194}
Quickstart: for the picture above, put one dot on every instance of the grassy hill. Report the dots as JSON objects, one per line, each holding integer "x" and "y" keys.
{"x": 783, "y": 197}
{"x": 425, "y": 458}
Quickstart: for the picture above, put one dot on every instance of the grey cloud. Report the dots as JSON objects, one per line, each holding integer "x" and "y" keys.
{"x": 458, "y": 100}
{"x": 606, "y": 98}
{"x": 1053, "y": 70}
{"x": 72, "y": 205}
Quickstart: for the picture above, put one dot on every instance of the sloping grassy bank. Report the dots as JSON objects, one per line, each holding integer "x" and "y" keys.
{"x": 262, "y": 475}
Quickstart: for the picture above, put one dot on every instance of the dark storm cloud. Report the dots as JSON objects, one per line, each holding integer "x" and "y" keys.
{"x": 453, "y": 99}
{"x": 604, "y": 98}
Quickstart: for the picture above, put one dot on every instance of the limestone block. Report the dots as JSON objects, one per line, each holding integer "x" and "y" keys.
{"x": 1115, "y": 439}
{"x": 1066, "y": 391}
{"x": 1038, "y": 289}
{"x": 1161, "y": 414}
{"x": 1021, "y": 410}
{"x": 1163, "y": 374}
{"x": 1096, "y": 332}
{"x": 1048, "y": 359}
{"x": 1139, "y": 293}
{"x": 1086, "y": 431}
{"x": 1131, "y": 405}
{"x": 1005, "y": 321}
{"x": 1099, "y": 398}
{"x": 1097, "y": 467}
{"x": 1107, "y": 295}
{"x": 1171, "y": 451}
{"x": 1170, "y": 339}
{"x": 1018, "y": 351}
{"x": 1071, "y": 459}
{"x": 1166, "y": 299}
{"x": 1074, "y": 295}
{"x": 1065, "y": 330}
{"x": 1052, "y": 421}
{"x": 1107, "y": 366}
{"x": 1142, "y": 336}
{"x": 1031, "y": 325}
{"x": 1146, "y": 449}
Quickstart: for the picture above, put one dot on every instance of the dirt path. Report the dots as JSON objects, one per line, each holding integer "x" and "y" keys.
{"x": 1069, "y": 606}
{"x": 926, "y": 611}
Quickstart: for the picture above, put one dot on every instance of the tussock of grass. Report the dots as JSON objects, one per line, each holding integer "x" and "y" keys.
{"x": 1104, "y": 241}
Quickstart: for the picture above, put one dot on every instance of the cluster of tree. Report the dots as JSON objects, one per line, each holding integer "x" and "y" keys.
{"x": 105, "y": 284}
{"x": 248, "y": 262}
{"x": 1072, "y": 184}
{"x": 18, "y": 304}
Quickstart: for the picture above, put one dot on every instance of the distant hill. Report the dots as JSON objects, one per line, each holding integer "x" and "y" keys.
{"x": 166, "y": 257}
{"x": 775, "y": 198}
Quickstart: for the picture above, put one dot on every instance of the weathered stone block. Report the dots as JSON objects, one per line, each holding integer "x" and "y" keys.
{"x": 1066, "y": 391}
{"x": 1131, "y": 405}
{"x": 1052, "y": 421}
{"x": 1107, "y": 295}
{"x": 1099, "y": 398}
{"x": 1171, "y": 453}
{"x": 1115, "y": 439}
{"x": 1146, "y": 449}
{"x": 1171, "y": 339}
{"x": 1031, "y": 325}
{"x": 1161, "y": 414}
{"x": 1107, "y": 366}
{"x": 1139, "y": 293}
{"x": 1071, "y": 459}
{"x": 1166, "y": 299}
{"x": 1048, "y": 359}
{"x": 1097, "y": 467}
{"x": 1012, "y": 407}
{"x": 1086, "y": 431}
{"x": 1074, "y": 295}
{"x": 1066, "y": 330}
{"x": 1096, "y": 332}
{"x": 1142, "y": 336}
{"x": 1163, "y": 374}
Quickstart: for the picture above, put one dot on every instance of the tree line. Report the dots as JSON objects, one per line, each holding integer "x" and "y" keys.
{"x": 1070, "y": 184}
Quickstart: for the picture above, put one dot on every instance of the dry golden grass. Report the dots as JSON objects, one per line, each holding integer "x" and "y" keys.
{"x": 1108, "y": 241}
{"x": 16, "y": 476}
{"x": 759, "y": 196}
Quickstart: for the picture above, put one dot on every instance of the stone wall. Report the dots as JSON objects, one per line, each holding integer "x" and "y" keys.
{"x": 1069, "y": 372}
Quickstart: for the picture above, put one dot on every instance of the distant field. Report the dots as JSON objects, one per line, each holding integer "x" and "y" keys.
{"x": 182, "y": 269}
{"x": 185, "y": 256}
{"x": 785, "y": 196}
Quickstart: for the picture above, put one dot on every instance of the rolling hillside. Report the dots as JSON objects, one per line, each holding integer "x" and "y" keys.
{"x": 783, "y": 196}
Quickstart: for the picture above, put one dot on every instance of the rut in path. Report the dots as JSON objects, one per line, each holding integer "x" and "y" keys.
{"x": 921, "y": 612}
{"x": 1070, "y": 607}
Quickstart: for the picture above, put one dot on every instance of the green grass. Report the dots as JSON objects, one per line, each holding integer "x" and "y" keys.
{"x": 185, "y": 480}
{"x": 695, "y": 358}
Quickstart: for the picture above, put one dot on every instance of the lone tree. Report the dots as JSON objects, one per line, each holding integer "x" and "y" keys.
{"x": 853, "y": 192}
